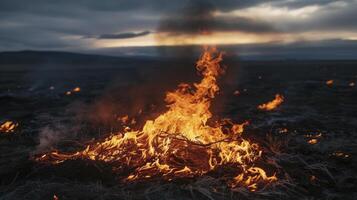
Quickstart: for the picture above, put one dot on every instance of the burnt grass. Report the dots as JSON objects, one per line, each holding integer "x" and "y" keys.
{"x": 49, "y": 120}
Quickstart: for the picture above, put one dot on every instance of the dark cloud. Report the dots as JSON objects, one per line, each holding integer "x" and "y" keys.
{"x": 123, "y": 35}
{"x": 62, "y": 24}
{"x": 70, "y": 6}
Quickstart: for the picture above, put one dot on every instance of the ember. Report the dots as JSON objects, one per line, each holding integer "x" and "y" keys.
{"x": 313, "y": 138}
{"x": 181, "y": 142}
{"x": 8, "y": 127}
{"x": 236, "y": 93}
{"x": 340, "y": 154}
{"x": 329, "y": 82}
{"x": 76, "y": 89}
{"x": 279, "y": 99}
{"x": 312, "y": 141}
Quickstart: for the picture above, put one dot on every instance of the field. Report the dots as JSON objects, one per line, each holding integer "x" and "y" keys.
{"x": 310, "y": 140}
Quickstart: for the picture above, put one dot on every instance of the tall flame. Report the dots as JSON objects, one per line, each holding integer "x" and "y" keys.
{"x": 180, "y": 142}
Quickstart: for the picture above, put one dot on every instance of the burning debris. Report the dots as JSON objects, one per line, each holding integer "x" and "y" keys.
{"x": 272, "y": 105}
{"x": 183, "y": 141}
{"x": 8, "y": 127}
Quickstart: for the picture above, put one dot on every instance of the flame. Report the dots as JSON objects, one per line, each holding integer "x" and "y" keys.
{"x": 8, "y": 127}
{"x": 279, "y": 99}
{"x": 182, "y": 142}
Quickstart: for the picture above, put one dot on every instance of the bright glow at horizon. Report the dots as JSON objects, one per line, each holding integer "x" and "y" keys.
{"x": 221, "y": 38}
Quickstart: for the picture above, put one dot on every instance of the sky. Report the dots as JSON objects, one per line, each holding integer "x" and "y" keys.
{"x": 255, "y": 26}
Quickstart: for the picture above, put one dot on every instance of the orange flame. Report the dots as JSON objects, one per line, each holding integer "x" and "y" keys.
{"x": 279, "y": 99}
{"x": 181, "y": 142}
{"x": 8, "y": 127}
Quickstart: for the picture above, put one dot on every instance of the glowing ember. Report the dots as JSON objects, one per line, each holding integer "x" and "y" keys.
{"x": 313, "y": 178}
{"x": 283, "y": 130}
{"x": 124, "y": 119}
{"x": 319, "y": 135}
{"x": 182, "y": 142}
{"x": 340, "y": 154}
{"x": 8, "y": 127}
{"x": 312, "y": 141}
{"x": 236, "y": 93}
{"x": 329, "y": 82}
{"x": 279, "y": 99}
{"x": 77, "y": 89}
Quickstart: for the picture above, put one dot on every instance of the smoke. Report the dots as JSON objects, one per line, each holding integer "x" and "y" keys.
{"x": 194, "y": 18}
{"x": 58, "y": 131}
{"x": 49, "y": 137}
{"x": 201, "y": 18}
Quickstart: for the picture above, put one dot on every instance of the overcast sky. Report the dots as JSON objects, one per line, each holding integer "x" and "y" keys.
{"x": 81, "y": 25}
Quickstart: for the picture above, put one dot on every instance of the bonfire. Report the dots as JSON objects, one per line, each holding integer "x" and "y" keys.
{"x": 181, "y": 142}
